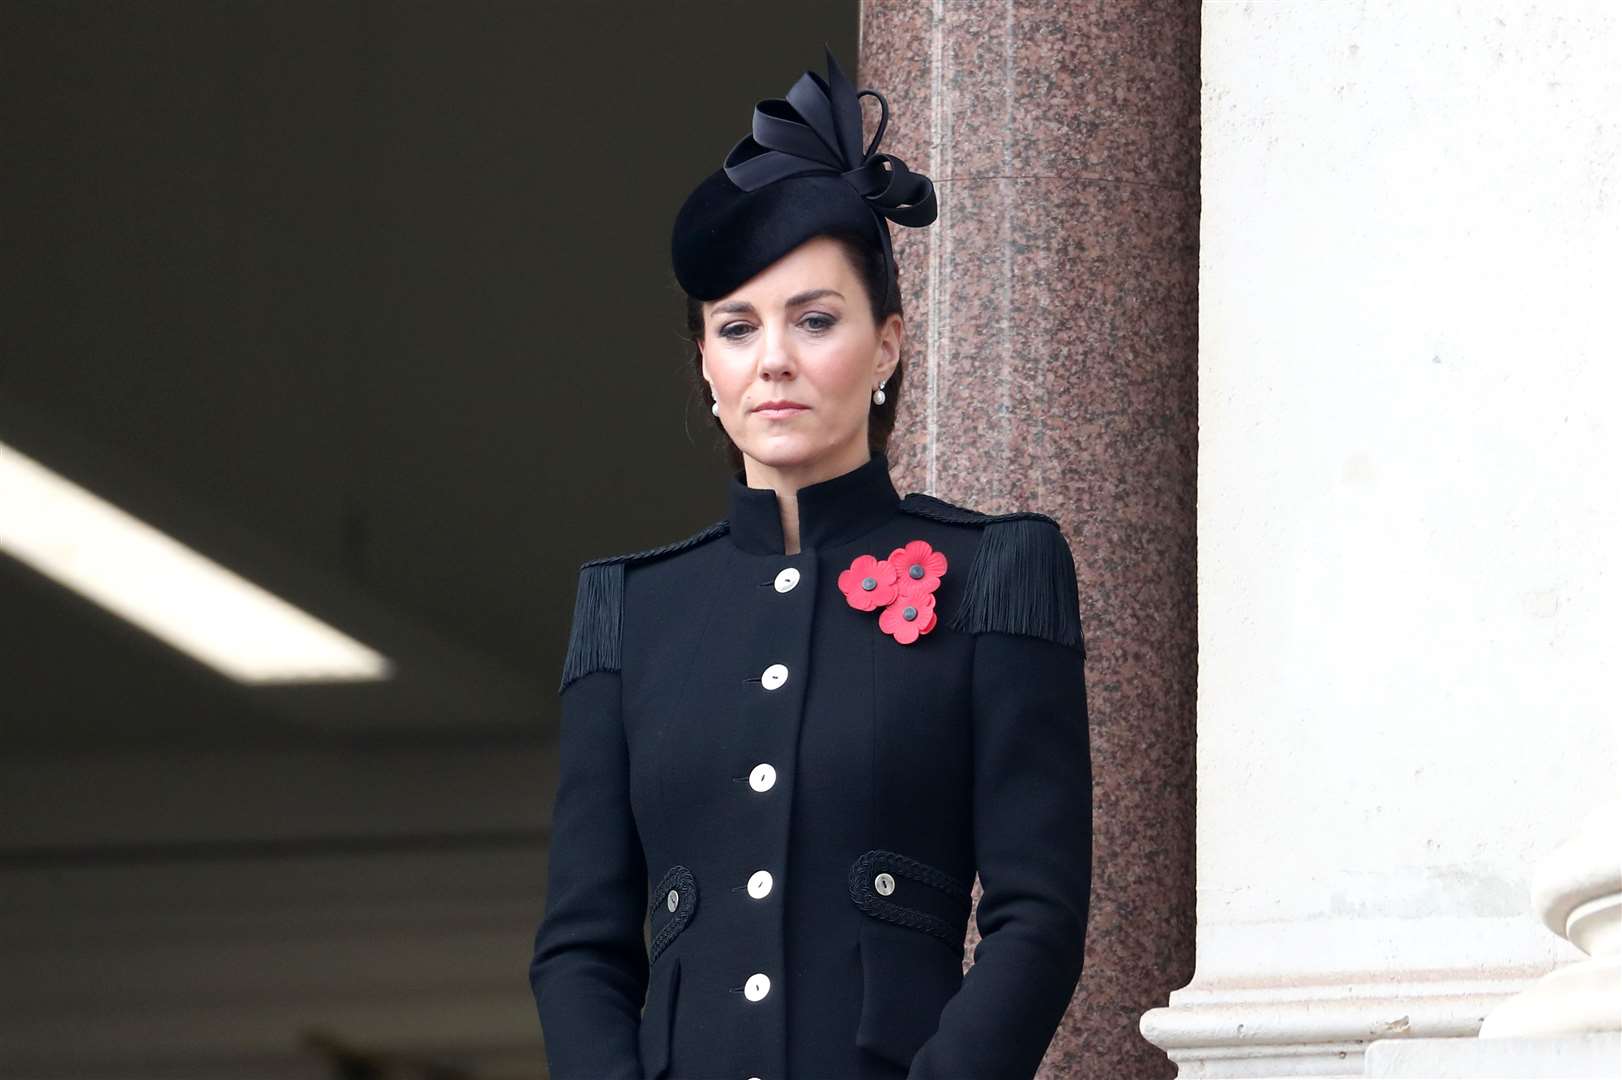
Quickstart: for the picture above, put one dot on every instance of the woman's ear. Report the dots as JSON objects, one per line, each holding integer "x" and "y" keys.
{"x": 890, "y": 334}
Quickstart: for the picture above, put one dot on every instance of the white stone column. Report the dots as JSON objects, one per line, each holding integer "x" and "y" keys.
{"x": 1410, "y": 509}
{"x": 1578, "y": 895}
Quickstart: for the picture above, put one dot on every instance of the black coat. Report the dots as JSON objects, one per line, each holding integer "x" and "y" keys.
{"x": 807, "y": 920}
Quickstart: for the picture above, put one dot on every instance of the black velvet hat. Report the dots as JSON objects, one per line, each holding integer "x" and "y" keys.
{"x": 800, "y": 172}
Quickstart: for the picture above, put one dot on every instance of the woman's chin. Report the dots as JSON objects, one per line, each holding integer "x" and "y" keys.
{"x": 783, "y": 450}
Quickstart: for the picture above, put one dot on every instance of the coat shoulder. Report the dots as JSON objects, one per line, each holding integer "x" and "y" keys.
{"x": 1022, "y": 579}
{"x": 702, "y": 536}
{"x": 596, "y": 632}
{"x": 937, "y": 509}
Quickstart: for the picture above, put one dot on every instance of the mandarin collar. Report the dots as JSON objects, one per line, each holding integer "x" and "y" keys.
{"x": 832, "y": 511}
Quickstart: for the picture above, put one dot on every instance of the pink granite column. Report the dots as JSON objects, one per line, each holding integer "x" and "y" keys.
{"x": 1051, "y": 335}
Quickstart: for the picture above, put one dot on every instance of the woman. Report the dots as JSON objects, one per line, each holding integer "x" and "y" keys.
{"x": 791, "y": 740}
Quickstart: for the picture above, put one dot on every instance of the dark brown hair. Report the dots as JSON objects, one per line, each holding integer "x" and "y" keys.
{"x": 867, "y": 259}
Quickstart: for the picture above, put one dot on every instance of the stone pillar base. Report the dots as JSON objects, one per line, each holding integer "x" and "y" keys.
{"x": 1282, "y": 1033}
{"x": 1588, "y": 1056}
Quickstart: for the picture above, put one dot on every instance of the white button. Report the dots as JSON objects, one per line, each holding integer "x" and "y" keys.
{"x": 760, "y": 883}
{"x": 672, "y": 899}
{"x": 763, "y": 777}
{"x": 884, "y": 884}
{"x": 757, "y": 987}
{"x": 787, "y": 578}
{"x": 774, "y": 676}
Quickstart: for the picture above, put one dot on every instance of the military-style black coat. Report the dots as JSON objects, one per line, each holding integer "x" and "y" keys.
{"x": 796, "y": 802}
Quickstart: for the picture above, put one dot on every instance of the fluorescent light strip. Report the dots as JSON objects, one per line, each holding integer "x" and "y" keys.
{"x": 165, "y": 588}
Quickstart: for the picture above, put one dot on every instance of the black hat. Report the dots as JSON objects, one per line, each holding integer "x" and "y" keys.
{"x": 799, "y": 173}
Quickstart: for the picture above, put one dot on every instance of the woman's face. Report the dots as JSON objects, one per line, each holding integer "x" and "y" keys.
{"x": 801, "y": 332}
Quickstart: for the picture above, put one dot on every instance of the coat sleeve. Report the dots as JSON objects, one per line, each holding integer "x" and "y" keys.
{"x": 589, "y": 970}
{"x": 1032, "y": 805}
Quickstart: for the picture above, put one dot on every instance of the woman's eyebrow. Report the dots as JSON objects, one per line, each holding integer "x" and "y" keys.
{"x": 811, "y": 294}
{"x": 739, "y": 307}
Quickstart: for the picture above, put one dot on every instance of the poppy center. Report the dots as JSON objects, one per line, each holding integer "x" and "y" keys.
{"x": 869, "y": 584}
{"x": 909, "y": 613}
{"x": 917, "y": 571}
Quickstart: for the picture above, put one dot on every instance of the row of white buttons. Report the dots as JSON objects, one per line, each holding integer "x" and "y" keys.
{"x": 761, "y": 779}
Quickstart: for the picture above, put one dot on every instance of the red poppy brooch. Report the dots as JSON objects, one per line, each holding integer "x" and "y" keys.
{"x": 903, "y": 585}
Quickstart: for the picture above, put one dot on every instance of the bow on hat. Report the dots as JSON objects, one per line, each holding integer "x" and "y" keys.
{"x": 818, "y": 128}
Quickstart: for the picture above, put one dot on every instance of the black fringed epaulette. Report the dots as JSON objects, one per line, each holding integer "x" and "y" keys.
{"x": 595, "y": 634}
{"x": 1023, "y": 578}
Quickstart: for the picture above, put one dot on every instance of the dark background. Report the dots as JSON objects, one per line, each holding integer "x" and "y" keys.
{"x": 370, "y": 303}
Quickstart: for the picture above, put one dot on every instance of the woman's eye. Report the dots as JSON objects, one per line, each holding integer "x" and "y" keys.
{"x": 734, "y": 330}
{"x": 822, "y": 322}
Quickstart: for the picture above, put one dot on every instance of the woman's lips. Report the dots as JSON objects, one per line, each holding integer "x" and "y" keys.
{"x": 779, "y": 414}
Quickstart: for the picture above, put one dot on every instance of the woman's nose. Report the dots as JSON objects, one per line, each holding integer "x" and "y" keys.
{"x": 777, "y": 356}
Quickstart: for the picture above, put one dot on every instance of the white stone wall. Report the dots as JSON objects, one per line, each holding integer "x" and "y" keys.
{"x": 1410, "y": 500}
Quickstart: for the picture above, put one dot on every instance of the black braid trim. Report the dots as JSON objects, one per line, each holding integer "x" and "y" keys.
{"x": 595, "y": 633}
{"x": 681, "y": 879}
{"x": 706, "y": 533}
{"x": 928, "y": 506}
{"x": 861, "y": 892}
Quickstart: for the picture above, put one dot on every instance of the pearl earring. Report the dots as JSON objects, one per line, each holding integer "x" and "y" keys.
{"x": 715, "y": 408}
{"x": 878, "y": 395}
